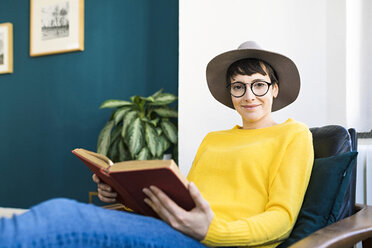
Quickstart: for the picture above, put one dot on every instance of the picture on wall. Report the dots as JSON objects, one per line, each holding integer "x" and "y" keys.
{"x": 6, "y": 48}
{"x": 56, "y": 26}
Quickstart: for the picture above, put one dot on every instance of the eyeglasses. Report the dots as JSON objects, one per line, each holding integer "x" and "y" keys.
{"x": 258, "y": 88}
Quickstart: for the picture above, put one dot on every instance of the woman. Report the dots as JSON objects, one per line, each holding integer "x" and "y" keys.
{"x": 248, "y": 182}
{"x": 253, "y": 178}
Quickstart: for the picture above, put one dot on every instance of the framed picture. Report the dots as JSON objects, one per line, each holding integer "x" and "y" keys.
{"x": 6, "y": 48}
{"x": 56, "y": 26}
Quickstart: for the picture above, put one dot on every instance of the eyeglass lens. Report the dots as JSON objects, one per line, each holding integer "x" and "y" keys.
{"x": 238, "y": 89}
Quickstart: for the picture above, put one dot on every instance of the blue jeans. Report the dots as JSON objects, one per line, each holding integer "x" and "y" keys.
{"x": 67, "y": 223}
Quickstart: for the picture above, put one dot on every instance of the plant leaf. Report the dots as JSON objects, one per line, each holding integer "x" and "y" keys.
{"x": 156, "y": 94}
{"x": 135, "y": 99}
{"x": 151, "y": 139}
{"x": 170, "y": 131}
{"x": 154, "y": 122}
{"x": 103, "y": 142}
{"x": 127, "y": 120}
{"x": 162, "y": 147}
{"x": 148, "y": 99}
{"x": 112, "y": 103}
{"x": 113, "y": 152}
{"x": 166, "y": 112}
{"x": 115, "y": 134}
{"x": 135, "y": 139}
{"x": 119, "y": 114}
{"x": 163, "y": 99}
{"x": 159, "y": 131}
{"x": 144, "y": 154}
{"x": 123, "y": 152}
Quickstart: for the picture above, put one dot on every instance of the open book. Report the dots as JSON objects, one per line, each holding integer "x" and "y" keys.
{"x": 128, "y": 178}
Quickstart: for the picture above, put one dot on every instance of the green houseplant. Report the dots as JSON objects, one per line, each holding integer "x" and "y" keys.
{"x": 139, "y": 129}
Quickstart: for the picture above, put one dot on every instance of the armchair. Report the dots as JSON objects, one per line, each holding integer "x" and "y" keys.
{"x": 354, "y": 222}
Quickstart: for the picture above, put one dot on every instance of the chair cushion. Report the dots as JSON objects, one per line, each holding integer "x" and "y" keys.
{"x": 333, "y": 140}
{"x": 330, "y": 141}
{"x": 326, "y": 190}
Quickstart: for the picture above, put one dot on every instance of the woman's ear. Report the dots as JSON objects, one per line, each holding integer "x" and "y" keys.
{"x": 275, "y": 90}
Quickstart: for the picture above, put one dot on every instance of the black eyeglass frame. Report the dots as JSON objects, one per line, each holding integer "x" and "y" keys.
{"x": 245, "y": 88}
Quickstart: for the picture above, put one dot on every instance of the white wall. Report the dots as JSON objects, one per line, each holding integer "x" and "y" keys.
{"x": 301, "y": 30}
{"x": 359, "y": 60}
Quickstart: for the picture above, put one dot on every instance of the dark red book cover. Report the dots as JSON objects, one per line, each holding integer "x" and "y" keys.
{"x": 129, "y": 183}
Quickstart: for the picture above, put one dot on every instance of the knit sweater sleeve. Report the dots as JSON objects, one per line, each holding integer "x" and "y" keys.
{"x": 286, "y": 188}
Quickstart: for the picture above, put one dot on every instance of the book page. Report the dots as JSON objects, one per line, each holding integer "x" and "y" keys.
{"x": 98, "y": 159}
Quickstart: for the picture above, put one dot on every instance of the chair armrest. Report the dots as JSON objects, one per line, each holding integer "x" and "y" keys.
{"x": 115, "y": 206}
{"x": 118, "y": 206}
{"x": 344, "y": 233}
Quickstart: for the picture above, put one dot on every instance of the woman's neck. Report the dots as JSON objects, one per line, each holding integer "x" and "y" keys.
{"x": 262, "y": 123}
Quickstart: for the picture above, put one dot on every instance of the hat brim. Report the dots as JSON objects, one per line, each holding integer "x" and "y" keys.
{"x": 285, "y": 69}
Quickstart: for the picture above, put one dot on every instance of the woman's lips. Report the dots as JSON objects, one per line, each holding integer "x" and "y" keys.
{"x": 250, "y": 107}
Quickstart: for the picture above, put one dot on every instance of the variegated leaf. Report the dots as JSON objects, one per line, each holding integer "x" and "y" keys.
{"x": 162, "y": 147}
{"x": 148, "y": 99}
{"x": 144, "y": 154}
{"x": 159, "y": 131}
{"x": 127, "y": 120}
{"x": 163, "y": 99}
{"x": 115, "y": 134}
{"x": 104, "y": 138}
{"x": 112, "y": 103}
{"x": 113, "y": 152}
{"x": 151, "y": 139}
{"x": 135, "y": 139}
{"x": 119, "y": 114}
{"x": 155, "y": 122}
{"x": 123, "y": 153}
{"x": 169, "y": 130}
{"x": 156, "y": 94}
{"x": 166, "y": 112}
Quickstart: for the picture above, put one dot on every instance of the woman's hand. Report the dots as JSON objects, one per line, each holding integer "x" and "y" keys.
{"x": 105, "y": 192}
{"x": 194, "y": 223}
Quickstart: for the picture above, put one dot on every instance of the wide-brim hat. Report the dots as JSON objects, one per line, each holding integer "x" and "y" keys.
{"x": 285, "y": 70}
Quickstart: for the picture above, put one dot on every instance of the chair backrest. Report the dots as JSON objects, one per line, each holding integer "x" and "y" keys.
{"x": 332, "y": 140}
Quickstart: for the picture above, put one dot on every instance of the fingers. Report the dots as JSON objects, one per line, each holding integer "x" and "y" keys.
{"x": 105, "y": 192}
{"x": 197, "y": 197}
{"x": 95, "y": 178}
{"x": 106, "y": 199}
{"x": 104, "y": 187}
{"x": 166, "y": 202}
{"x": 155, "y": 203}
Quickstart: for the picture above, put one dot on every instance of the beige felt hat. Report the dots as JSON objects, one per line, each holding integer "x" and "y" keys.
{"x": 285, "y": 69}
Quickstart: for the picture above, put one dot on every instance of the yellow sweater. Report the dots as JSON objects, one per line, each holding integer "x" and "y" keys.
{"x": 254, "y": 181}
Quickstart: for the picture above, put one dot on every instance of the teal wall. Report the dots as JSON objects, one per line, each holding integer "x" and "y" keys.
{"x": 49, "y": 105}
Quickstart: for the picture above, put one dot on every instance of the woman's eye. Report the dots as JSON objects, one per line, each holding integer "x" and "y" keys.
{"x": 237, "y": 87}
{"x": 259, "y": 85}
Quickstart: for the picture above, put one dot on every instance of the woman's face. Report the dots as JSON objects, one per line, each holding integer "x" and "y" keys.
{"x": 255, "y": 110}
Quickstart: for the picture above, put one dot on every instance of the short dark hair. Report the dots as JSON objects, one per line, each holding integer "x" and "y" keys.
{"x": 249, "y": 67}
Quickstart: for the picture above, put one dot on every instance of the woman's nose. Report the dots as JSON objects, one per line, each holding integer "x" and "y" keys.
{"x": 249, "y": 94}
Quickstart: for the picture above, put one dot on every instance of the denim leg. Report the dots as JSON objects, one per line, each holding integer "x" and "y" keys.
{"x": 67, "y": 223}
